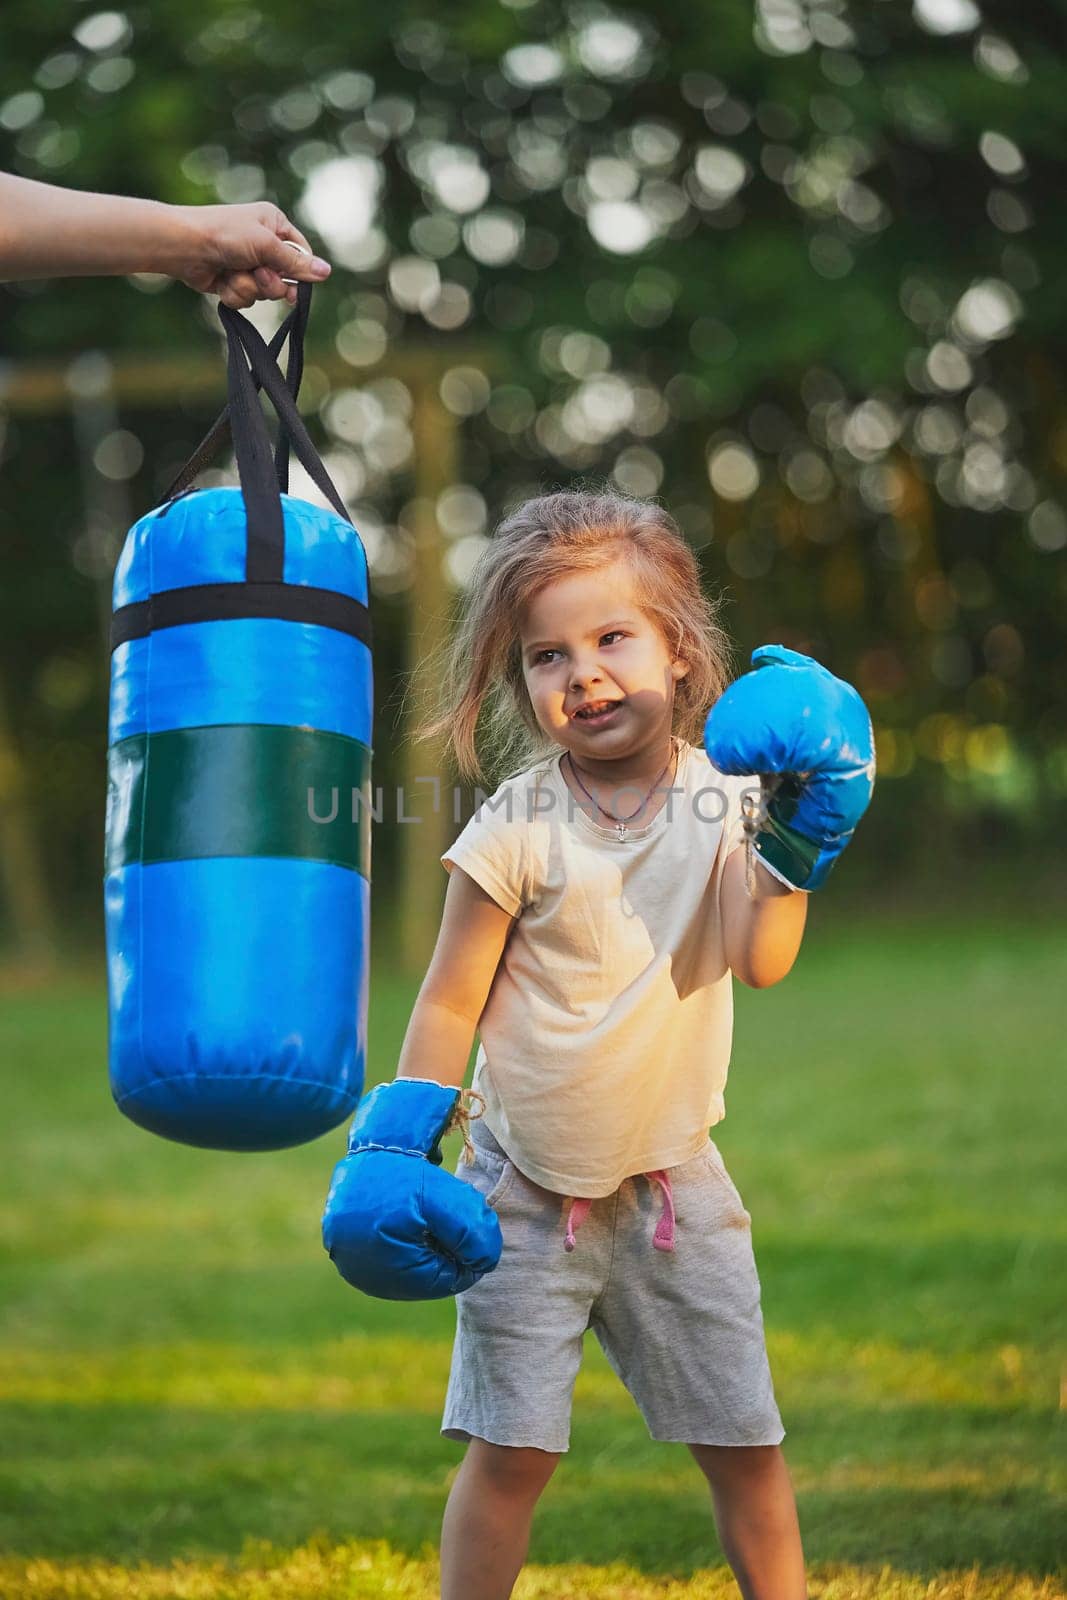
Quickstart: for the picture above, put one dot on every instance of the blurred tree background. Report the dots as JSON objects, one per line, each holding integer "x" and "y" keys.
{"x": 790, "y": 266}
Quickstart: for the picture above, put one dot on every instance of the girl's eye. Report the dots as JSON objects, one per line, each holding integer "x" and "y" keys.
{"x": 614, "y": 633}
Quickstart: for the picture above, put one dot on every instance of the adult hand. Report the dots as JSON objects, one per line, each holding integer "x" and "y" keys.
{"x": 242, "y": 252}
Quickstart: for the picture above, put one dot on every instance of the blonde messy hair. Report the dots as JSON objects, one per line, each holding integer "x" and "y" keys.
{"x": 477, "y": 676}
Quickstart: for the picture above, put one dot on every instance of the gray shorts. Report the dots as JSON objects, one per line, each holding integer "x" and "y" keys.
{"x": 682, "y": 1328}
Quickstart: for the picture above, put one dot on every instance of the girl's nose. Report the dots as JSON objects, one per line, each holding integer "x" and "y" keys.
{"x": 584, "y": 673}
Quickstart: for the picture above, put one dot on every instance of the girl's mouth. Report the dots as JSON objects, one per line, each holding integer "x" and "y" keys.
{"x": 598, "y": 719}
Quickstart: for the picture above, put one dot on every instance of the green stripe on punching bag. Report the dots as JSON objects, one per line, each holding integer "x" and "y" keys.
{"x": 250, "y": 789}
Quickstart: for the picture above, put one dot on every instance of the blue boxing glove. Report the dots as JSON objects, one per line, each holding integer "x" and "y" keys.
{"x": 792, "y": 717}
{"x": 395, "y": 1225}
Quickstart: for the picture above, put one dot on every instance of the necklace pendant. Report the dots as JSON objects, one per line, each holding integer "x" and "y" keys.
{"x": 620, "y": 830}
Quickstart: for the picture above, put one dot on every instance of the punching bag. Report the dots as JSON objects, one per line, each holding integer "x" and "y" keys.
{"x": 237, "y": 853}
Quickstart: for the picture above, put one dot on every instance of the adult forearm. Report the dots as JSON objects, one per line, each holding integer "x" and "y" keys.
{"x": 244, "y": 252}
{"x": 762, "y": 935}
{"x": 48, "y": 232}
{"x": 437, "y": 1044}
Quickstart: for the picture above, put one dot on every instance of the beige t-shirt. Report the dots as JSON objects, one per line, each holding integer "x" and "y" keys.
{"x": 605, "y": 1040}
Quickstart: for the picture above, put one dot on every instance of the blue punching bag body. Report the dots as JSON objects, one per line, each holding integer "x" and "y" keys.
{"x": 237, "y": 857}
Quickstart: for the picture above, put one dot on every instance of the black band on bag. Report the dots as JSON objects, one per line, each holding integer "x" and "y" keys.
{"x": 239, "y": 789}
{"x": 293, "y": 328}
{"x": 225, "y": 602}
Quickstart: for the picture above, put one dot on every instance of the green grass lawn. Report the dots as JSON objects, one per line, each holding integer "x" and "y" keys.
{"x": 195, "y": 1405}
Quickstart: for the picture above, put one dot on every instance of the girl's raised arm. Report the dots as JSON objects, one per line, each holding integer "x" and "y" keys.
{"x": 761, "y": 935}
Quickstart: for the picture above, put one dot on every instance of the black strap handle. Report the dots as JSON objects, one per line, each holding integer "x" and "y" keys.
{"x": 294, "y": 372}
{"x": 265, "y": 546}
{"x": 293, "y": 329}
{"x": 265, "y": 368}
{"x": 251, "y": 366}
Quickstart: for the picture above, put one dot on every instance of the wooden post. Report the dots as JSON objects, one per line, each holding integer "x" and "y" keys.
{"x": 426, "y": 788}
{"x": 22, "y": 873}
{"x": 105, "y": 501}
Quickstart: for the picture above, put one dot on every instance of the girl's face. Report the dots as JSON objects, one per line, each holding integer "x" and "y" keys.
{"x": 585, "y": 639}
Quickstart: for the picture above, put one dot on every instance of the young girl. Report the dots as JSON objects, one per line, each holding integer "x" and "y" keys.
{"x": 596, "y": 909}
{"x": 597, "y": 906}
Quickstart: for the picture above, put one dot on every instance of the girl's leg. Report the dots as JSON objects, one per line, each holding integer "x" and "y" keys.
{"x": 756, "y": 1515}
{"x": 486, "y": 1528}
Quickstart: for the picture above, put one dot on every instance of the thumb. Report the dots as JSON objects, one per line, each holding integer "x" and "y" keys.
{"x": 459, "y": 1218}
{"x": 781, "y": 655}
{"x": 292, "y": 260}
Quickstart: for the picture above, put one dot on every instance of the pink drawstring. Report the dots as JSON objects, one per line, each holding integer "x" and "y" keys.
{"x": 662, "y": 1239}
{"x": 575, "y": 1217}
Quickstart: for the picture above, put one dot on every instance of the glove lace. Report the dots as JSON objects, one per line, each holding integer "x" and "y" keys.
{"x": 753, "y": 814}
{"x": 460, "y": 1120}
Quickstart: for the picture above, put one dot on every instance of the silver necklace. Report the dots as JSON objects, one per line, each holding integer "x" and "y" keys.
{"x": 620, "y": 822}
